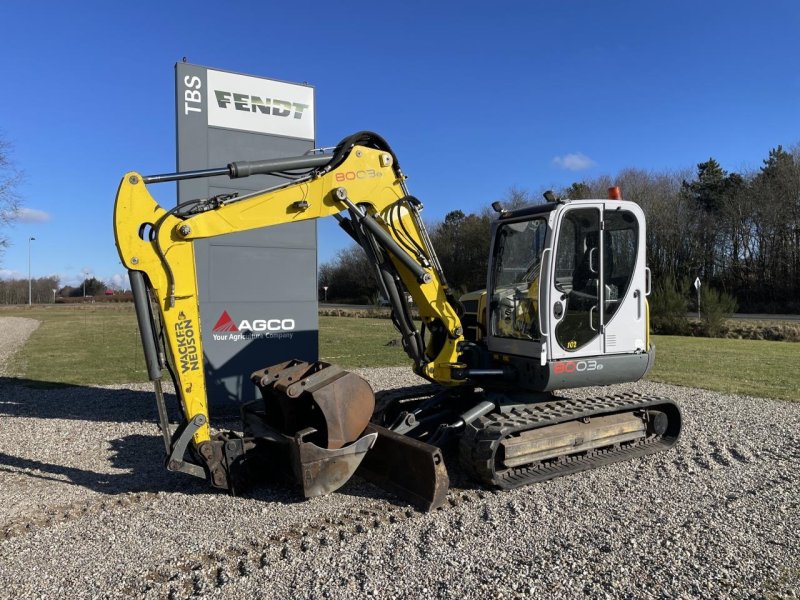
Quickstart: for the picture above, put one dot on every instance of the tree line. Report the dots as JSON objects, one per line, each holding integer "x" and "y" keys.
{"x": 739, "y": 232}
{"x": 46, "y": 290}
{"x": 15, "y": 291}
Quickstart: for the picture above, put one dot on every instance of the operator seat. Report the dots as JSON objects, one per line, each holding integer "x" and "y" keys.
{"x": 583, "y": 279}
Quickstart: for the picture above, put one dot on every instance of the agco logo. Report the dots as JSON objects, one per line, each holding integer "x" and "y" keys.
{"x": 264, "y": 106}
{"x": 225, "y": 324}
{"x": 576, "y": 366}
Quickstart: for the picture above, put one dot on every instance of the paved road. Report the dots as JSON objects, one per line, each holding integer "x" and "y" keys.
{"x": 767, "y": 317}
{"x": 758, "y": 317}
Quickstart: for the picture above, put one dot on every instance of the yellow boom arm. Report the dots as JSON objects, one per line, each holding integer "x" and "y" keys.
{"x": 365, "y": 184}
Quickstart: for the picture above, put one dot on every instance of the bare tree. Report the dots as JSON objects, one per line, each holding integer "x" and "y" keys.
{"x": 10, "y": 177}
{"x": 349, "y": 277}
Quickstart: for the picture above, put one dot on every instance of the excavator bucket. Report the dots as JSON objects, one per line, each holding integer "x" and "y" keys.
{"x": 322, "y": 471}
{"x": 322, "y": 413}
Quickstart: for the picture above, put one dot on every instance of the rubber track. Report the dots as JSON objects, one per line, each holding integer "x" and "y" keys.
{"x": 482, "y": 439}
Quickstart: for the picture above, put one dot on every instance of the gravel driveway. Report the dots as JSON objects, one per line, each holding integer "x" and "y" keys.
{"x": 87, "y": 510}
{"x": 14, "y": 331}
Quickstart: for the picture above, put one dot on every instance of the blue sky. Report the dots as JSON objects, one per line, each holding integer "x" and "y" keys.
{"x": 474, "y": 97}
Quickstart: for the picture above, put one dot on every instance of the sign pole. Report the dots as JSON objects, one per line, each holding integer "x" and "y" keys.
{"x": 697, "y": 287}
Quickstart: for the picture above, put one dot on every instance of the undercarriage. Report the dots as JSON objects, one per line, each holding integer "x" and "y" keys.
{"x": 318, "y": 425}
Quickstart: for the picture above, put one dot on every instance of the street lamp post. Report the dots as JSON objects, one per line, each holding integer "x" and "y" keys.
{"x": 30, "y": 286}
{"x": 325, "y": 289}
{"x": 85, "y": 273}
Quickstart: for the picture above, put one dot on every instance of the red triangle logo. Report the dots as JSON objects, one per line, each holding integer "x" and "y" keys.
{"x": 225, "y": 323}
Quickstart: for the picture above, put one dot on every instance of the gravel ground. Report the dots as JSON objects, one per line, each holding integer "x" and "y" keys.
{"x": 13, "y": 333}
{"x": 87, "y": 510}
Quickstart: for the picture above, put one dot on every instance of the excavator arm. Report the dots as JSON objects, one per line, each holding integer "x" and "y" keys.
{"x": 360, "y": 184}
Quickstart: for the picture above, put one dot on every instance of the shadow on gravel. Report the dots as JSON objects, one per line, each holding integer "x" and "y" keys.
{"x": 141, "y": 457}
{"x": 49, "y": 400}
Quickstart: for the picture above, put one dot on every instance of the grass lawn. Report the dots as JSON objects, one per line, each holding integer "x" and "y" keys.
{"x": 80, "y": 344}
{"x": 758, "y": 368}
{"x": 96, "y": 344}
{"x": 359, "y": 342}
{"x": 100, "y": 343}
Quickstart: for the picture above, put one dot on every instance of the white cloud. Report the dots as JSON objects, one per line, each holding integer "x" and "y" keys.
{"x": 119, "y": 281}
{"x": 29, "y": 215}
{"x": 116, "y": 281}
{"x": 6, "y": 274}
{"x": 574, "y": 162}
{"x": 69, "y": 278}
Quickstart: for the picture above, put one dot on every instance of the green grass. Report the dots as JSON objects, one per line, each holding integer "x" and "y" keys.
{"x": 359, "y": 342}
{"x": 97, "y": 344}
{"x": 100, "y": 344}
{"x": 754, "y": 367}
{"x": 80, "y": 344}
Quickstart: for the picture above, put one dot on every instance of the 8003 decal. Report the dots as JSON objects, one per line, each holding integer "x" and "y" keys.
{"x": 353, "y": 175}
{"x": 576, "y": 366}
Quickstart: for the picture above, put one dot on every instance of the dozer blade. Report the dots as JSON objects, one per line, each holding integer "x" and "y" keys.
{"x": 411, "y": 469}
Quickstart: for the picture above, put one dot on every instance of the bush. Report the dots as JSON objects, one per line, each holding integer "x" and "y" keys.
{"x": 715, "y": 308}
{"x": 668, "y": 307}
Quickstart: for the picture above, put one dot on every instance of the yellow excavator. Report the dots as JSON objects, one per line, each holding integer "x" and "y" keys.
{"x": 565, "y": 306}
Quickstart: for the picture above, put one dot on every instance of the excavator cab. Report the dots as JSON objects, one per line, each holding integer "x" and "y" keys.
{"x": 567, "y": 280}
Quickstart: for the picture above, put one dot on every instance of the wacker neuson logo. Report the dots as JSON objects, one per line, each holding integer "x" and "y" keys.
{"x": 187, "y": 346}
{"x": 228, "y": 330}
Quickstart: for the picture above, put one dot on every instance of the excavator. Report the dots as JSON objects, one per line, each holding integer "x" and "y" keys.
{"x": 565, "y": 306}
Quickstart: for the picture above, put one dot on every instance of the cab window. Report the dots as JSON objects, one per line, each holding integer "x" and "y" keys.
{"x": 515, "y": 282}
{"x": 620, "y": 247}
{"x": 577, "y": 277}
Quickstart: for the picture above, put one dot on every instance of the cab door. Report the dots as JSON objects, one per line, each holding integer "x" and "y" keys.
{"x": 575, "y": 310}
{"x": 597, "y": 289}
{"x": 624, "y": 279}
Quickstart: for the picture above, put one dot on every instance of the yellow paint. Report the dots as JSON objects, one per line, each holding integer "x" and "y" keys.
{"x": 370, "y": 181}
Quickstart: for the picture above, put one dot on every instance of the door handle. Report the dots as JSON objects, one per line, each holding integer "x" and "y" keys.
{"x": 592, "y": 254}
{"x": 591, "y": 318}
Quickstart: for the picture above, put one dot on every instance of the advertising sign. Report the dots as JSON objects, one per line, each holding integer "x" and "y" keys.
{"x": 257, "y": 289}
{"x": 260, "y": 105}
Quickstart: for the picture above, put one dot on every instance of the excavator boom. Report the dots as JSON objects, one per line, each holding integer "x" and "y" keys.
{"x": 316, "y": 414}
